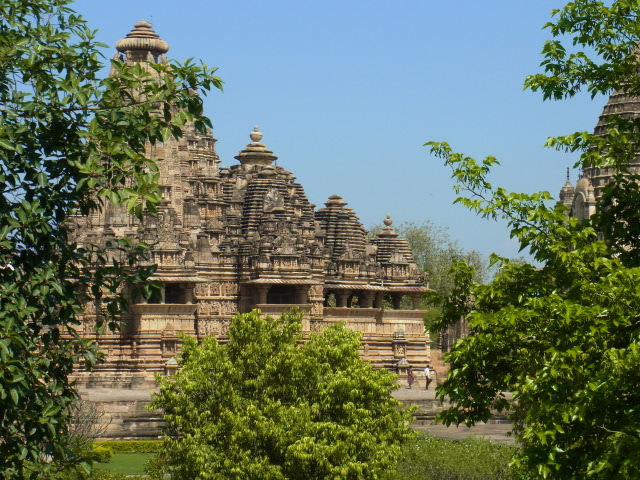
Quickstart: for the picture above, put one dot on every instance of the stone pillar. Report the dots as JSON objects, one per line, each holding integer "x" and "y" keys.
{"x": 377, "y": 302}
{"x": 262, "y": 294}
{"x": 367, "y": 300}
{"x": 396, "y": 298}
{"x": 188, "y": 294}
{"x": 303, "y": 295}
{"x": 415, "y": 299}
{"x": 342, "y": 296}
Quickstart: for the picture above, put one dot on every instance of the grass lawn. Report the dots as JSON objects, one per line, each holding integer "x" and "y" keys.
{"x": 125, "y": 463}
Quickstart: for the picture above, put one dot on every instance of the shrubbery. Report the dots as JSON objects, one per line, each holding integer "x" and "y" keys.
{"x": 431, "y": 458}
{"x": 102, "y": 454}
{"x": 131, "y": 446}
{"x": 107, "y": 475}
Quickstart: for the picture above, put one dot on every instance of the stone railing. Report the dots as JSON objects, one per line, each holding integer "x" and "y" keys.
{"x": 278, "y": 308}
{"x": 351, "y": 313}
{"x": 404, "y": 315}
{"x": 380, "y": 315}
{"x": 164, "y": 308}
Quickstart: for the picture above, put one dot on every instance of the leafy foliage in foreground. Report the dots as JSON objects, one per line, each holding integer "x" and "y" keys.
{"x": 431, "y": 458}
{"x": 266, "y": 406}
{"x": 68, "y": 140}
{"x": 563, "y": 337}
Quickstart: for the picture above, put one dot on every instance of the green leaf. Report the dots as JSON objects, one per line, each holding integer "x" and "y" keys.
{"x": 14, "y": 396}
{"x": 6, "y": 144}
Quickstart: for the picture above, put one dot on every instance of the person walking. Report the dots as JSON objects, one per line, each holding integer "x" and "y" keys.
{"x": 427, "y": 377}
{"x": 410, "y": 377}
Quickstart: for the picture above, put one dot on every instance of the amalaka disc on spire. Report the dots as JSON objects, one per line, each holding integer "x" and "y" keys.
{"x": 143, "y": 38}
{"x": 256, "y": 153}
{"x": 335, "y": 200}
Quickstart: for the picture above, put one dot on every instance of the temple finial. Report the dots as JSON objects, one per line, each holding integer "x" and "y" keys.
{"x": 387, "y": 230}
{"x": 567, "y": 174}
{"x": 256, "y": 153}
{"x": 256, "y": 135}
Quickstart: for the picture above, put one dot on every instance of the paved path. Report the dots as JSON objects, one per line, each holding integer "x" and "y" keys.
{"x": 496, "y": 432}
{"x": 416, "y": 393}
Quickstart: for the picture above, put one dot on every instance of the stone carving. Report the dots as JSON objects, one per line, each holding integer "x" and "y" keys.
{"x": 273, "y": 201}
{"x": 204, "y": 308}
{"x": 228, "y": 289}
{"x": 316, "y": 308}
{"x": 316, "y": 326}
{"x": 207, "y": 327}
{"x": 315, "y": 291}
{"x": 202, "y": 289}
{"x": 223, "y": 328}
{"x": 228, "y": 308}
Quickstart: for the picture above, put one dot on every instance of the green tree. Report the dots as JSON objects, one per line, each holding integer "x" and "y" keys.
{"x": 268, "y": 405}
{"x": 563, "y": 337}
{"x": 68, "y": 140}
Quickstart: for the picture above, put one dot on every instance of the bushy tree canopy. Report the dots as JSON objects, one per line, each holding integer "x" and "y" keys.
{"x": 268, "y": 406}
{"x": 68, "y": 140}
{"x": 563, "y": 335}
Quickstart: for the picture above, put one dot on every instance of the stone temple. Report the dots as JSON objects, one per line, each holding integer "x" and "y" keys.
{"x": 581, "y": 199}
{"x": 233, "y": 239}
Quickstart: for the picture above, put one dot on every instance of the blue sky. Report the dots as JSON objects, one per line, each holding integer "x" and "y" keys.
{"x": 347, "y": 92}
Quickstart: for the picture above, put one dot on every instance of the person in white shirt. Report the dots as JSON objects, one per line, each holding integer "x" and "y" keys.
{"x": 427, "y": 376}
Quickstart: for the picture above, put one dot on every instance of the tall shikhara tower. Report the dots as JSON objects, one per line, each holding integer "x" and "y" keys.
{"x": 233, "y": 239}
{"x": 581, "y": 199}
